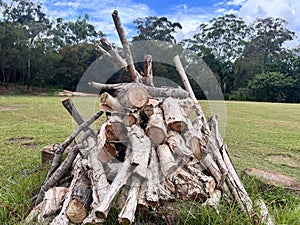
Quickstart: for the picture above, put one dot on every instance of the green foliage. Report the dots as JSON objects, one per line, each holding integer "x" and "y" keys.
{"x": 220, "y": 42}
{"x": 154, "y": 28}
{"x": 272, "y": 86}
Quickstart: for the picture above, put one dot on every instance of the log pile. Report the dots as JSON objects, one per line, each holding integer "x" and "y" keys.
{"x": 154, "y": 147}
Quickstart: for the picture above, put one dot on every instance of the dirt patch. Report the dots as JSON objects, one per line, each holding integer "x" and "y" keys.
{"x": 11, "y": 107}
{"x": 23, "y": 140}
{"x": 282, "y": 159}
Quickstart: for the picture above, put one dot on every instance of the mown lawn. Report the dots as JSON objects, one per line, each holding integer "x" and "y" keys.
{"x": 261, "y": 135}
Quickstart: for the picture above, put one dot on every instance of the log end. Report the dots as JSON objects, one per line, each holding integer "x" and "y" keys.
{"x": 138, "y": 96}
{"x": 76, "y": 211}
{"x": 178, "y": 126}
{"x": 156, "y": 134}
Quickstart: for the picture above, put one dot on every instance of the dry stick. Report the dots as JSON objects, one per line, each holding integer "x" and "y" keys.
{"x": 80, "y": 128}
{"x": 73, "y": 111}
{"x": 152, "y": 91}
{"x": 115, "y": 56}
{"x": 60, "y": 171}
{"x": 104, "y": 52}
{"x": 189, "y": 89}
{"x": 135, "y": 76}
{"x": 148, "y": 71}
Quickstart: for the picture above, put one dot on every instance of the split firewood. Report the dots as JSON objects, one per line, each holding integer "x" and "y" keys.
{"x": 127, "y": 214}
{"x": 156, "y": 129}
{"x": 152, "y": 91}
{"x": 115, "y": 129}
{"x": 194, "y": 140}
{"x": 100, "y": 185}
{"x": 153, "y": 181}
{"x": 140, "y": 145}
{"x": 107, "y": 151}
{"x": 166, "y": 160}
{"x": 178, "y": 146}
{"x": 173, "y": 115}
{"x": 102, "y": 209}
{"x": 187, "y": 186}
{"x": 52, "y": 200}
{"x": 148, "y": 72}
{"x": 135, "y": 97}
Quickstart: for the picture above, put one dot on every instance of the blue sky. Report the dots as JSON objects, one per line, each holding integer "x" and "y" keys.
{"x": 189, "y": 13}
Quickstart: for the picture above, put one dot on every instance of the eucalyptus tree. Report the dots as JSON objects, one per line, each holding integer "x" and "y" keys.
{"x": 265, "y": 51}
{"x": 156, "y": 28}
{"x": 220, "y": 42}
{"x": 74, "y": 32}
{"x": 29, "y": 18}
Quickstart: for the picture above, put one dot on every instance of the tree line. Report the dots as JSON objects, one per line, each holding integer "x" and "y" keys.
{"x": 250, "y": 62}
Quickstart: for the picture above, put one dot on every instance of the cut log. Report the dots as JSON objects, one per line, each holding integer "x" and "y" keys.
{"x": 173, "y": 115}
{"x": 156, "y": 129}
{"x": 166, "y": 160}
{"x": 47, "y": 155}
{"x": 130, "y": 119}
{"x": 135, "y": 97}
{"x": 111, "y": 102}
{"x": 61, "y": 218}
{"x": 140, "y": 145}
{"x": 273, "y": 178}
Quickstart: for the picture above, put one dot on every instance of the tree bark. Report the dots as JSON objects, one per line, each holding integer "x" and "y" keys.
{"x": 148, "y": 71}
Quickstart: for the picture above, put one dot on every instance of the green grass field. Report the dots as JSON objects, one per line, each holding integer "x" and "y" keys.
{"x": 260, "y": 135}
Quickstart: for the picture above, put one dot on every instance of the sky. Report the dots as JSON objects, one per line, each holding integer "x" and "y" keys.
{"x": 188, "y": 13}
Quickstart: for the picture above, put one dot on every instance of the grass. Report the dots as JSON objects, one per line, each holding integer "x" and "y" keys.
{"x": 261, "y": 135}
